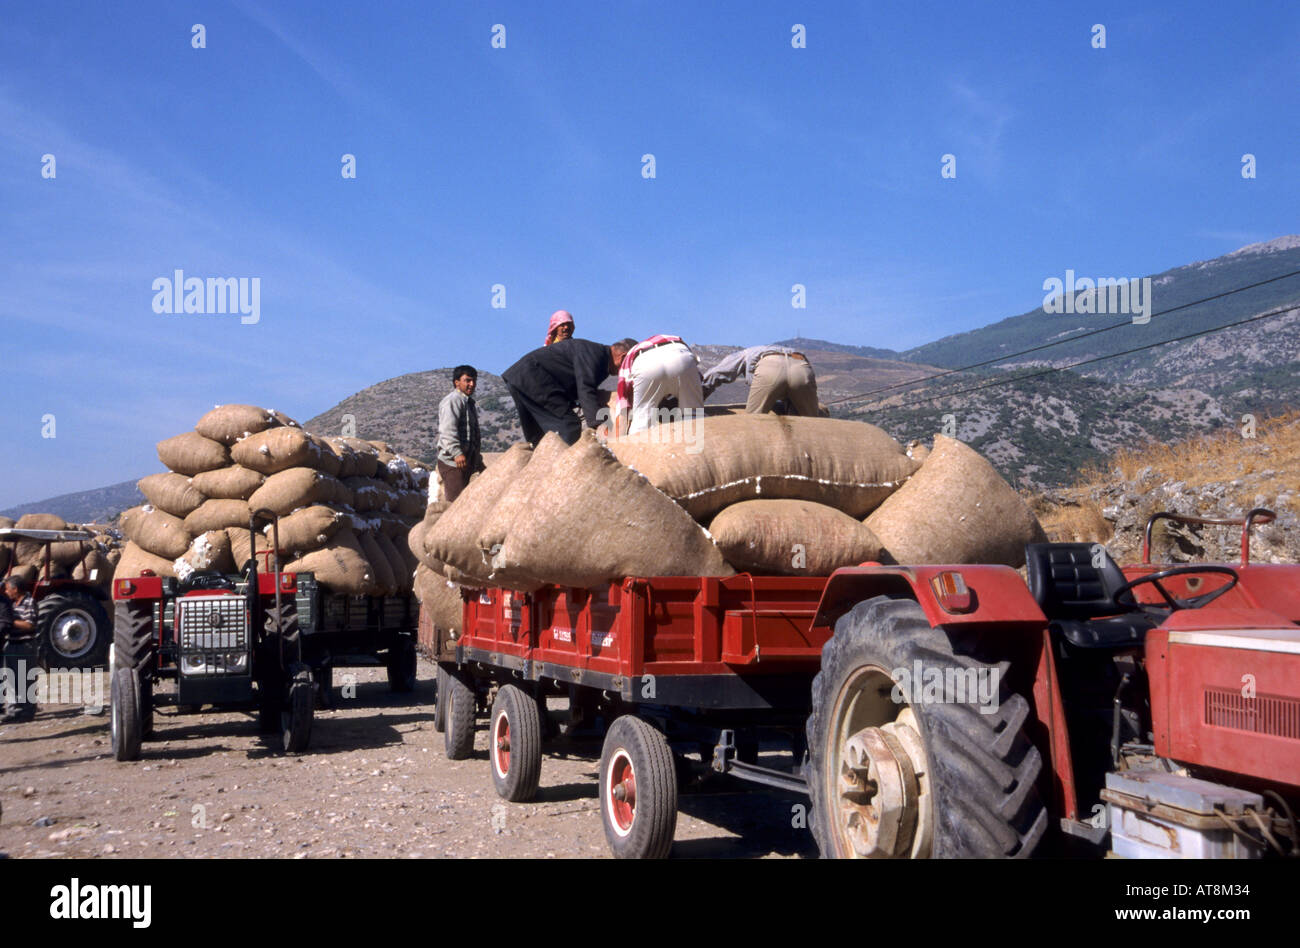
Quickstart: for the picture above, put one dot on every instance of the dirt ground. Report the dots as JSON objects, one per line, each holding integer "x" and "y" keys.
{"x": 374, "y": 783}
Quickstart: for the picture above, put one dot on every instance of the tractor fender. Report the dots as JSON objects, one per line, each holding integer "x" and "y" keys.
{"x": 998, "y": 595}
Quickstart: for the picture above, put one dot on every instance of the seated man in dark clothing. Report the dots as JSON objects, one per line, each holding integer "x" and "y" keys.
{"x": 549, "y": 382}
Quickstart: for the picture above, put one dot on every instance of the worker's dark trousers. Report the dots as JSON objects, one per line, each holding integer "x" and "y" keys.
{"x": 537, "y": 419}
{"x": 17, "y": 658}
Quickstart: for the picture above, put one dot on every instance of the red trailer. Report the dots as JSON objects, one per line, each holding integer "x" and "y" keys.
{"x": 929, "y": 710}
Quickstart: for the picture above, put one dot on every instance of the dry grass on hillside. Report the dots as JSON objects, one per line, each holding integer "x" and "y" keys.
{"x": 1267, "y": 464}
{"x": 1218, "y": 458}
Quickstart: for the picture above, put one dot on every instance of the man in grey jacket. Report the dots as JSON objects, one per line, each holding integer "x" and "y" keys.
{"x": 774, "y": 373}
{"x": 460, "y": 452}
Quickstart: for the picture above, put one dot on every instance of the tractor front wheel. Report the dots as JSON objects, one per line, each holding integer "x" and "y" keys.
{"x": 296, "y": 715}
{"x": 126, "y": 727}
{"x": 897, "y": 767}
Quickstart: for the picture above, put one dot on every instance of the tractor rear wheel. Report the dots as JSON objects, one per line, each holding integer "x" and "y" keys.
{"x": 897, "y": 770}
{"x": 74, "y": 630}
{"x": 125, "y": 725}
{"x": 458, "y": 738}
{"x": 515, "y": 744}
{"x": 638, "y": 790}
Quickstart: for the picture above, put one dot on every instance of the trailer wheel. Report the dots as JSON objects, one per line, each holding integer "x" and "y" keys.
{"x": 515, "y": 744}
{"x": 458, "y": 738}
{"x": 440, "y": 699}
{"x": 638, "y": 790}
{"x": 401, "y": 665}
{"x": 74, "y": 630}
{"x": 296, "y": 715}
{"x": 930, "y": 778}
{"x": 125, "y": 724}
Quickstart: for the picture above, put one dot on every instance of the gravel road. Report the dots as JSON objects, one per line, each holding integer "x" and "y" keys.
{"x": 374, "y": 783}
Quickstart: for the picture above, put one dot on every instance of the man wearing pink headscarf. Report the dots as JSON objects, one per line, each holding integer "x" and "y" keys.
{"x": 561, "y": 327}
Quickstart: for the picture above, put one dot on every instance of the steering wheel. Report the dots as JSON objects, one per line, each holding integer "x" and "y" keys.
{"x": 1195, "y": 602}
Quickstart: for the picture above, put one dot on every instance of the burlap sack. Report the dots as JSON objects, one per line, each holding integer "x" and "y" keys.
{"x": 135, "y": 561}
{"x": 385, "y": 581}
{"x": 277, "y": 449}
{"x": 7, "y": 521}
{"x": 453, "y": 538}
{"x": 367, "y": 457}
{"x": 298, "y": 487}
{"x": 191, "y": 453}
{"x": 96, "y": 568}
{"x": 6, "y": 557}
{"x": 69, "y": 553}
{"x": 241, "y": 551}
{"x": 516, "y": 502}
{"x": 416, "y": 540}
{"x": 396, "y": 564}
{"x": 342, "y": 566}
{"x": 30, "y": 551}
{"x": 172, "y": 493}
{"x": 410, "y": 503}
{"x": 217, "y": 515}
{"x": 791, "y": 538}
{"x": 156, "y": 531}
{"x": 230, "y": 423}
{"x": 600, "y": 522}
{"x": 711, "y": 463}
{"x": 229, "y": 483}
{"x": 368, "y": 493}
{"x": 329, "y": 461}
{"x": 209, "y": 551}
{"x": 347, "y": 457}
{"x": 440, "y": 599}
{"x": 28, "y": 573}
{"x": 956, "y": 509}
{"x": 308, "y": 528}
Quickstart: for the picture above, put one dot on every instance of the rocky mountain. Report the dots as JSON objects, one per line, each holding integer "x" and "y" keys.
{"x": 1040, "y": 430}
{"x": 99, "y": 505}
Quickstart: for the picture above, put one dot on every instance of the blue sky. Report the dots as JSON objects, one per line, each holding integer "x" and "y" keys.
{"x": 522, "y": 166}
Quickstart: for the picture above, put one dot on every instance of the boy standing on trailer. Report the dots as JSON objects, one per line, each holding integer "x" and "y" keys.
{"x": 460, "y": 452}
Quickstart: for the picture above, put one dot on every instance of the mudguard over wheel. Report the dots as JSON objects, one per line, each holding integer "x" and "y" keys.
{"x": 125, "y": 724}
{"x": 917, "y": 772}
{"x": 401, "y": 665}
{"x": 458, "y": 738}
{"x": 74, "y": 630}
{"x": 638, "y": 790}
{"x": 515, "y": 744}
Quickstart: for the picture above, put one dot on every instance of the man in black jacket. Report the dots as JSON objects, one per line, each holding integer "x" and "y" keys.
{"x": 549, "y": 382}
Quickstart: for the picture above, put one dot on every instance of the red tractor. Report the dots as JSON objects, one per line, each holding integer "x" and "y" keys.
{"x": 73, "y": 626}
{"x": 1149, "y": 711}
{"x": 232, "y": 641}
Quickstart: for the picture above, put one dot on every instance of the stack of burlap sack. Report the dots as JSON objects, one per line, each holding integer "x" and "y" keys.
{"x": 91, "y": 561}
{"x": 739, "y": 493}
{"x": 345, "y": 505}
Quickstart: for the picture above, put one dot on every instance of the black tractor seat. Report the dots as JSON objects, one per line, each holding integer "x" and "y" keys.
{"x": 1078, "y": 598}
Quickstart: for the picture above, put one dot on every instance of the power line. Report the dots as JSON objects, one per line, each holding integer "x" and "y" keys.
{"x": 1114, "y": 355}
{"x": 1059, "y": 342}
